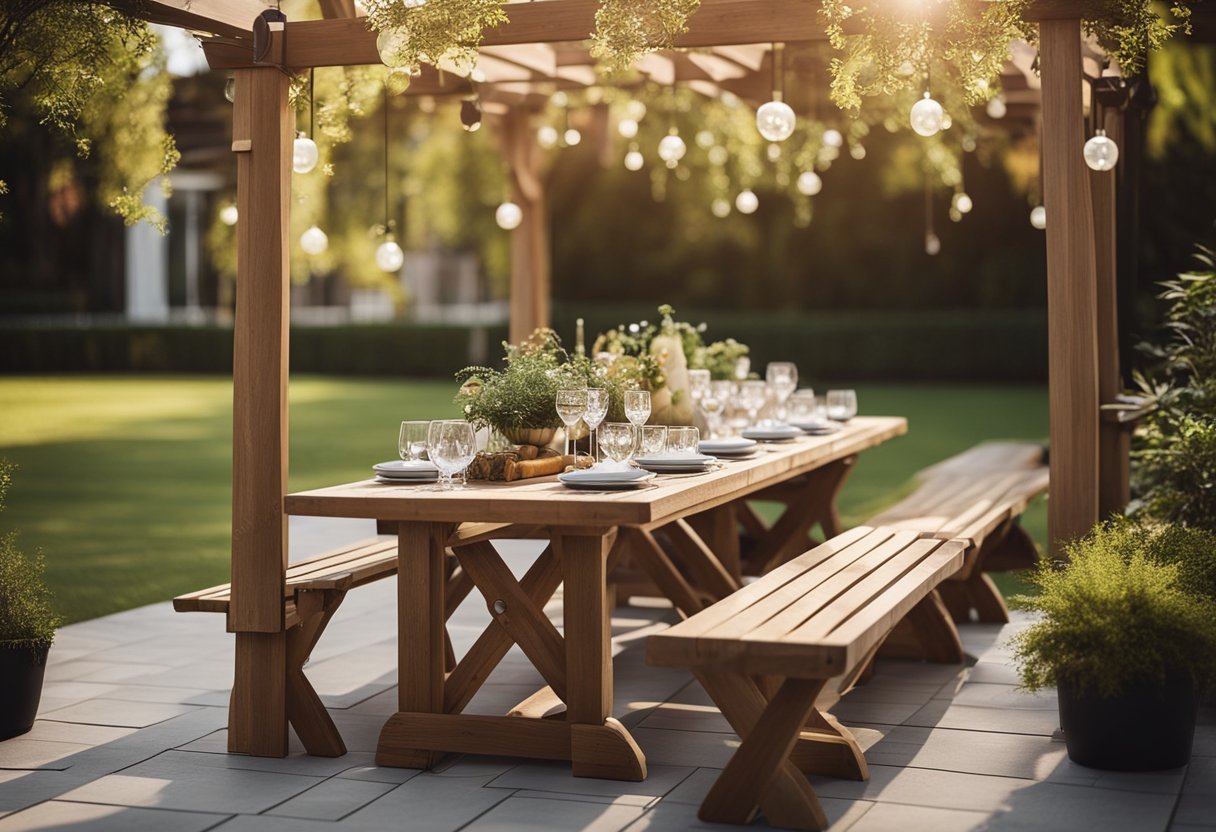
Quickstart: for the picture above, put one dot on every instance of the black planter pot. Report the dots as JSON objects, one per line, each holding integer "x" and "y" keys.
{"x": 1148, "y": 728}
{"x": 21, "y": 671}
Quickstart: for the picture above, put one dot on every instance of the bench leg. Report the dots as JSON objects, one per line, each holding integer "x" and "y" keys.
{"x": 979, "y": 593}
{"x": 927, "y": 633}
{"x": 305, "y": 710}
{"x": 761, "y": 776}
{"x": 1014, "y": 550}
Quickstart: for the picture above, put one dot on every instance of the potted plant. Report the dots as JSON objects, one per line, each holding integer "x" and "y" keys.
{"x": 27, "y": 627}
{"x": 1127, "y": 635}
{"x": 519, "y": 401}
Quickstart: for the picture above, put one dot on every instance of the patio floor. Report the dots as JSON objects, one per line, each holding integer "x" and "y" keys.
{"x": 131, "y": 736}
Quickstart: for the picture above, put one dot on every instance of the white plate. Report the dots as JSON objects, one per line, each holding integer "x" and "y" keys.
{"x": 727, "y": 447}
{"x": 675, "y": 460}
{"x": 406, "y": 480}
{"x": 409, "y": 475}
{"x": 406, "y": 467}
{"x": 772, "y": 434}
{"x": 818, "y": 428}
{"x": 603, "y": 475}
{"x": 592, "y": 484}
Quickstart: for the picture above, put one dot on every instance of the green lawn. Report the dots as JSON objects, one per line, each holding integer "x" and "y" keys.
{"x": 124, "y": 481}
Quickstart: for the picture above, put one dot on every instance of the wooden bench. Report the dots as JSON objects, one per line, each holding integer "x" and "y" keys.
{"x": 767, "y": 653}
{"x": 313, "y": 591}
{"x": 977, "y": 496}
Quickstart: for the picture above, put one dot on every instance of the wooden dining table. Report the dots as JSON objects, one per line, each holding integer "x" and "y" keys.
{"x": 681, "y": 529}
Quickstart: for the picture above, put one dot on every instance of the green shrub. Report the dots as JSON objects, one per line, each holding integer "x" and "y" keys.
{"x": 1174, "y": 459}
{"x": 1120, "y": 613}
{"x": 26, "y": 617}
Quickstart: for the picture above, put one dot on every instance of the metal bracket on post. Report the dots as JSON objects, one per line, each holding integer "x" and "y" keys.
{"x": 270, "y": 38}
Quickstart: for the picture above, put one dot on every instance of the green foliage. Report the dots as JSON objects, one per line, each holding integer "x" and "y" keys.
{"x": 438, "y": 30}
{"x": 1174, "y": 470}
{"x": 94, "y": 76}
{"x": 627, "y": 29}
{"x": 523, "y": 394}
{"x": 26, "y": 617}
{"x": 1116, "y": 615}
{"x": 634, "y": 341}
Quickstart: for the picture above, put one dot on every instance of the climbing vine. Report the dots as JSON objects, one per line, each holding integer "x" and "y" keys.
{"x": 413, "y": 31}
{"x": 627, "y": 29}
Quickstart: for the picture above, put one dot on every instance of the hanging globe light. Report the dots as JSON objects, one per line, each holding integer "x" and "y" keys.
{"x": 1038, "y": 217}
{"x": 636, "y": 110}
{"x": 547, "y": 136}
{"x": 304, "y": 154}
{"x": 926, "y": 116}
{"x": 996, "y": 107}
{"x": 933, "y": 244}
{"x": 633, "y": 159}
{"x": 390, "y": 43}
{"x": 672, "y": 147}
{"x": 228, "y": 214}
{"x": 832, "y": 138}
{"x": 706, "y": 139}
{"x": 963, "y": 202}
{"x": 398, "y": 80}
{"x": 1101, "y": 153}
{"x": 747, "y": 202}
{"x": 314, "y": 241}
{"x": 718, "y": 155}
{"x": 809, "y": 183}
{"x": 720, "y": 208}
{"x": 508, "y": 216}
{"x": 572, "y": 137}
{"x": 775, "y": 120}
{"x": 628, "y": 128}
{"x": 389, "y": 256}
{"x": 858, "y": 151}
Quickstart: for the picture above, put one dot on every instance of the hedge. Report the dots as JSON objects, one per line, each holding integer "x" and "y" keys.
{"x": 935, "y": 345}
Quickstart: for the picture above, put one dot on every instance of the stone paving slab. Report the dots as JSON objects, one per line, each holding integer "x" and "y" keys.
{"x": 131, "y": 737}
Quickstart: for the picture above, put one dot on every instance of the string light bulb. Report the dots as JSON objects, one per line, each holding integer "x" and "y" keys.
{"x": 547, "y": 136}
{"x": 832, "y": 138}
{"x": 672, "y": 147}
{"x": 1038, "y": 217}
{"x": 926, "y": 116}
{"x": 628, "y": 128}
{"x": 633, "y": 159}
{"x": 747, "y": 202}
{"x": 228, "y": 214}
{"x": 508, "y": 216}
{"x": 572, "y": 137}
{"x": 389, "y": 256}
{"x": 1101, "y": 153}
{"x": 720, "y": 208}
{"x": 963, "y": 202}
{"x": 775, "y": 119}
{"x": 933, "y": 244}
{"x": 809, "y": 183}
{"x": 314, "y": 241}
{"x": 996, "y": 107}
{"x": 304, "y": 154}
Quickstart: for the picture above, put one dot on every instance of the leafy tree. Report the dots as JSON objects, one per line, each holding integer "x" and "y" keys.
{"x": 93, "y": 75}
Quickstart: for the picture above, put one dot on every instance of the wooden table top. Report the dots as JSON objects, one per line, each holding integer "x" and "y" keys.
{"x": 545, "y": 501}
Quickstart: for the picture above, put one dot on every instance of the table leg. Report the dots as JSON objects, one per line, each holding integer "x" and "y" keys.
{"x": 599, "y": 745}
{"x": 421, "y": 615}
{"x": 809, "y": 500}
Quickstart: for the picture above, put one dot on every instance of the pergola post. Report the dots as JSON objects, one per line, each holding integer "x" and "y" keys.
{"x": 1072, "y": 319}
{"x": 262, "y": 139}
{"x": 530, "y": 256}
{"x": 1114, "y": 438}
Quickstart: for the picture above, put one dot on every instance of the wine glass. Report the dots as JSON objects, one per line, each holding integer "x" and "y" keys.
{"x": 653, "y": 441}
{"x": 637, "y": 407}
{"x": 803, "y": 407}
{"x": 683, "y": 440}
{"x": 698, "y": 384}
{"x": 451, "y": 444}
{"x": 616, "y": 438}
{"x": 597, "y": 408}
{"x": 782, "y": 378}
{"x": 753, "y": 395}
{"x": 411, "y": 440}
{"x": 571, "y": 405}
{"x": 842, "y": 405}
{"x": 716, "y": 402}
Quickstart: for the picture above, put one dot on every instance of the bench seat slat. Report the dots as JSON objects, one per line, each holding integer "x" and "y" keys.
{"x": 818, "y": 589}
{"x": 824, "y": 627}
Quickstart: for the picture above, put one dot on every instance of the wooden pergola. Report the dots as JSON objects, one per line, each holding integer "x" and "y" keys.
{"x": 541, "y": 43}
